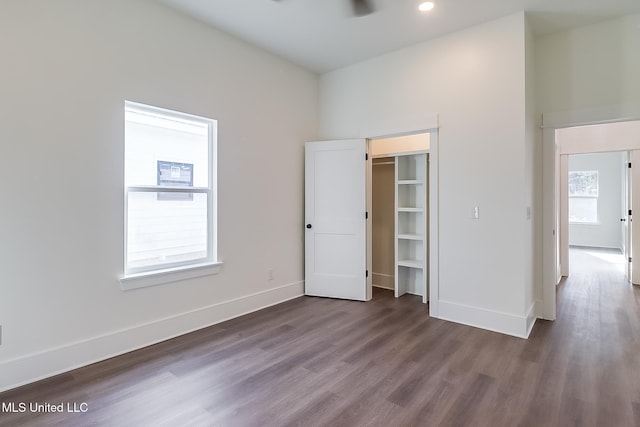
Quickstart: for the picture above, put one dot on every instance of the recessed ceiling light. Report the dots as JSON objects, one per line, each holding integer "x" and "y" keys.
{"x": 426, "y": 6}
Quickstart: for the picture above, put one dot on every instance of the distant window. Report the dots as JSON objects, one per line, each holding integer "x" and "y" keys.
{"x": 583, "y": 197}
{"x": 169, "y": 189}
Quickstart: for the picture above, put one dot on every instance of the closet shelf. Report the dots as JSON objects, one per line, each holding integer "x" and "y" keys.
{"x": 407, "y": 236}
{"x": 411, "y": 204}
{"x": 411, "y": 182}
{"x": 413, "y": 263}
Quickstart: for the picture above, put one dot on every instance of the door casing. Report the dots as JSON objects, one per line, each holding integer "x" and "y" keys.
{"x": 551, "y": 266}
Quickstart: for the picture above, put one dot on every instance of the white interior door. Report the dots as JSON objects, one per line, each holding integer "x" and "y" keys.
{"x": 335, "y": 219}
{"x": 625, "y": 218}
{"x": 564, "y": 216}
{"x": 634, "y": 158}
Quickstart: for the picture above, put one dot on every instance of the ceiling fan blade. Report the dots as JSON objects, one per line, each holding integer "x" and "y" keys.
{"x": 362, "y": 7}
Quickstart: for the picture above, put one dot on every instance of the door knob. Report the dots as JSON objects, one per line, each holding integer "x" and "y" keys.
{"x": 308, "y": 225}
{"x": 623, "y": 219}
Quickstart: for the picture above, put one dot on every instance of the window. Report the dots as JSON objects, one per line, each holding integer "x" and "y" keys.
{"x": 583, "y": 197}
{"x": 170, "y": 203}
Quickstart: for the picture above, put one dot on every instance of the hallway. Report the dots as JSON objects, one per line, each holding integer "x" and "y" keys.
{"x": 596, "y": 284}
{"x": 583, "y": 260}
{"x": 599, "y": 324}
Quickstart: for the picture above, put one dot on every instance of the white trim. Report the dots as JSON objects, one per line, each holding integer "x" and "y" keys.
{"x": 212, "y": 214}
{"x": 399, "y": 153}
{"x": 550, "y": 226}
{"x": 153, "y": 110}
{"x": 496, "y": 321}
{"x": 433, "y": 294}
{"x": 399, "y": 126}
{"x": 563, "y": 179}
{"x": 36, "y": 366}
{"x": 158, "y": 277}
{"x": 532, "y": 316}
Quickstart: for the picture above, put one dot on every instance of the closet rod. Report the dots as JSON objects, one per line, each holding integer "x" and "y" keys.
{"x": 384, "y": 163}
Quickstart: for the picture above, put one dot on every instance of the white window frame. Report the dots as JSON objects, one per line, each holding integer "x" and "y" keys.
{"x": 139, "y": 277}
{"x": 596, "y": 197}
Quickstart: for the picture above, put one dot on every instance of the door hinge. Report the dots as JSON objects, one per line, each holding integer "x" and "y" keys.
{"x": 366, "y": 215}
{"x": 629, "y": 259}
{"x": 366, "y": 156}
{"x": 629, "y": 211}
{"x": 629, "y": 165}
{"x": 366, "y": 274}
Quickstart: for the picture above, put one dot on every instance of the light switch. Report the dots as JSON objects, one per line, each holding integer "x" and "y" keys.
{"x": 476, "y": 212}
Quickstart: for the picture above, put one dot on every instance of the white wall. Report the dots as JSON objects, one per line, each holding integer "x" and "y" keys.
{"x": 600, "y": 138}
{"x": 605, "y": 234}
{"x": 475, "y": 81}
{"x": 533, "y": 184}
{"x": 67, "y": 68}
{"x": 590, "y": 72}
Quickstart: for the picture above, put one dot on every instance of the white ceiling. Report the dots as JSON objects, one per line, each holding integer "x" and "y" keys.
{"x": 322, "y": 35}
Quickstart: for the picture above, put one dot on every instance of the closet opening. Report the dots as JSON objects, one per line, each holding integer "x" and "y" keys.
{"x": 399, "y": 236}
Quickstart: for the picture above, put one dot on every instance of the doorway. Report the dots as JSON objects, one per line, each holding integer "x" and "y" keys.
{"x": 560, "y": 140}
{"x": 338, "y": 200}
{"x": 399, "y": 238}
{"x": 594, "y": 204}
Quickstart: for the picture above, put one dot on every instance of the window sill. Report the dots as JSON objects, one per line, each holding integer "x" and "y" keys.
{"x": 159, "y": 277}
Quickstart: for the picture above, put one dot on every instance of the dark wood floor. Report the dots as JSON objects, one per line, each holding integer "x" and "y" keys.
{"x": 315, "y": 361}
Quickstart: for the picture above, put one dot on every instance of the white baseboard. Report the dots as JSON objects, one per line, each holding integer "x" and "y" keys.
{"x": 384, "y": 281}
{"x": 532, "y": 316}
{"x": 496, "y": 321}
{"x": 36, "y": 366}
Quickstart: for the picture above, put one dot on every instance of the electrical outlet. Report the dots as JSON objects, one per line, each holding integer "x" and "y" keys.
{"x": 271, "y": 275}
